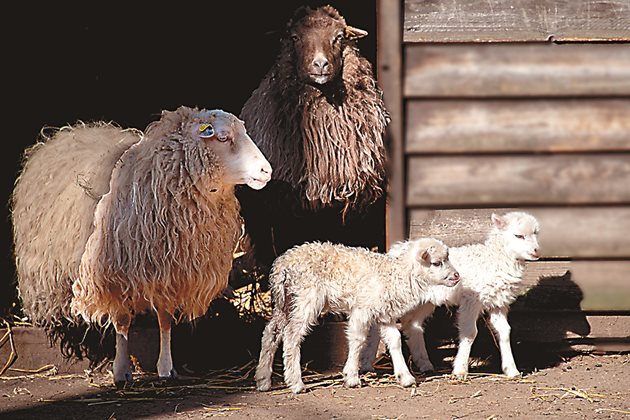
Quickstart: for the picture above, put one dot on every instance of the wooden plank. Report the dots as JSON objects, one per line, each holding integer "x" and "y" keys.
{"x": 516, "y": 20}
{"x": 465, "y": 126}
{"x": 457, "y": 181}
{"x": 576, "y": 232}
{"x": 389, "y": 73}
{"x": 550, "y": 327}
{"x": 524, "y": 70}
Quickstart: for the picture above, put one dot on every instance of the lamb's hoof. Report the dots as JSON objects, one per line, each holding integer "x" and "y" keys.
{"x": 424, "y": 366}
{"x": 511, "y": 372}
{"x": 460, "y": 375}
{"x": 297, "y": 388}
{"x": 407, "y": 380}
{"x": 263, "y": 384}
{"x": 367, "y": 369}
{"x": 352, "y": 382}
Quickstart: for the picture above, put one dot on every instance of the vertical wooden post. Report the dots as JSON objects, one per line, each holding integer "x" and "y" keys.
{"x": 389, "y": 73}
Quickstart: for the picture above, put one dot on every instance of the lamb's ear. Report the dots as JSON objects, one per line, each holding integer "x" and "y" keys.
{"x": 354, "y": 33}
{"x": 424, "y": 256}
{"x": 498, "y": 221}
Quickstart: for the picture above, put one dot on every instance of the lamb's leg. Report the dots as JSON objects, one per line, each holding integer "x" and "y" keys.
{"x": 165, "y": 360}
{"x": 413, "y": 328}
{"x": 368, "y": 354}
{"x": 391, "y": 336}
{"x": 356, "y": 332}
{"x": 298, "y": 325}
{"x": 122, "y": 364}
{"x": 501, "y": 327}
{"x": 269, "y": 344}
{"x": 467, "y": 315}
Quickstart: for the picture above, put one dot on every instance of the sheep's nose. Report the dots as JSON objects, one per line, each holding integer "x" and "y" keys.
{"x": 456, "y": 275}
{"x": 320, "y": 63}
{"x": 266, "y": 169}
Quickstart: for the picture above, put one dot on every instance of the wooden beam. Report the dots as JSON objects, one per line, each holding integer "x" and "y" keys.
{"x": 524, "y": 70}
{"x": 565, "y": 232}
{"x": 457, "y": 181}
{"x": 472, "y": 126}
{"x": 389, "y": 73}
{"x": 516, "y": 20}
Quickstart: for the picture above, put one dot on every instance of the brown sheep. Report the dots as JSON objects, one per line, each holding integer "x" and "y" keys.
{"x": 156, "y": 231}
{"x": 319, "y": 117}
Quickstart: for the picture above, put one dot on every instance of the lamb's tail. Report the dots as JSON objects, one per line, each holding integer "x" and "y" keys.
{"x": 278, "y": 278}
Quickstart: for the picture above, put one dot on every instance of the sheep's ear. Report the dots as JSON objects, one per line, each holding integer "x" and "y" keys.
{"x": 498, "y": 221}
{"x": 354, "y": 33}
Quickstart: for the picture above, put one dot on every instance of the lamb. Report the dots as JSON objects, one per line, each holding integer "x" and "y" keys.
{"x": 319, "y": 117}
{"x": 367, "y": 286}
{"x": 491, "y": 275}
{"x": 125, "y": 222}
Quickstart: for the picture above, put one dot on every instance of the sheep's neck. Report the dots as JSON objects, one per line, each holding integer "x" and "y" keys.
{"x": 506, "y": 263}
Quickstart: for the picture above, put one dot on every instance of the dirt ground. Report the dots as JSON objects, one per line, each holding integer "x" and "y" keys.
{"x": 578, "y": 386}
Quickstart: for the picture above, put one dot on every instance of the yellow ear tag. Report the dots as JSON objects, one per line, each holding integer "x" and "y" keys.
{"x": 202, "y": 127}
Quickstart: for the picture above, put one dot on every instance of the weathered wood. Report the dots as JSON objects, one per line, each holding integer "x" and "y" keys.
{"x": 527, "y": 70}
{"x": 550, "y": 326}
{"x": 522, "y": 180}
{"x": 576, "y": 232}
{"x": 516, "y": 20}
{"x": 389, "y": 73}
{"x": 464, "y": 126}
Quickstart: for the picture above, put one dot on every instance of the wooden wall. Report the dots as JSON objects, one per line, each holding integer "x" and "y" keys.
{"x": 518, "y": 105}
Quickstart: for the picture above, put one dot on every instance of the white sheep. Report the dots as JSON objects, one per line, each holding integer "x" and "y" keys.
{"x": 491, "y": 273}
{"x": 157, "y": 232}
{"x": 368, "y": 287}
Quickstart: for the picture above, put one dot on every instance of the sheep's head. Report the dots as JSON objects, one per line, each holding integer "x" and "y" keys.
{"x": 519, "y": 234}
{"x": 222, "y": 136}
{"x": 318, "y": 38}
{"x": 432, "y": 257}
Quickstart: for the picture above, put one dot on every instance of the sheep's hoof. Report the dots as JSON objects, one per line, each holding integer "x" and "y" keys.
{"x": 122, "y": 383}
{"x": 367, "y": 368}
{"x": 460, "y": 375}
{"x": 171, "y": 375}
{"x": 407, "y": 380}
{"x": 263, "y": 384}
{"x": 297, "y": 388}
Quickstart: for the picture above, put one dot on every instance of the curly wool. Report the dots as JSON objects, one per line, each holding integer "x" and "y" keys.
{"x": 62, "y": 179}
{"x": 327, "y": 144}
{"x": 155, "y": 241}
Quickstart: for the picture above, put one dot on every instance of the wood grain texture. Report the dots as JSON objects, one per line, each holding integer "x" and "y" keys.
{"x": 516, "y": 20}
{"x": 389, "y": 73}
{"x": 456, "y": 181}
{"x": 565, "y": 232}
{"x": 465, "y": 126}
{"x": 529, "y": 70}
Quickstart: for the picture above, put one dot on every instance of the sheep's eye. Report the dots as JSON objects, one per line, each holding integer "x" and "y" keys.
{"x": 437, "y": 264}
{"x": 339, "y": 37}
{"x": 206, "y": 131}
{"x": 223, "y": 138}
{"x": 295, "y": 38}
{"x": 519, "y": 236}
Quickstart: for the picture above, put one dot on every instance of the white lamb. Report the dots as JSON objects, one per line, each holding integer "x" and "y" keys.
{"x": 368, "y": 287}
{"x": 491, "y": 275}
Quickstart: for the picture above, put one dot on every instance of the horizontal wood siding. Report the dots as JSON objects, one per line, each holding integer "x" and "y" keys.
{"x": 518, "y": 180}
{"x": 528, "y": 70}
{"x": 538, "y": 125}
{"x": 516, "y": 20}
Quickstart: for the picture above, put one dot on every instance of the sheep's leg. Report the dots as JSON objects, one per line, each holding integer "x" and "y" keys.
{"x": 269, "y": 344}
{"x": 391, "y": 336}
{"x": 122, "y": 364}
{"x": 298, "y": 325}
{"x": 413, "y": 328}
{"x": 501, "y": 327}
{"x": 165, "y": 359}
{"x": 467, "y": 323}
{"x": 356, "y": 333}
{"x": 368, "y": 354}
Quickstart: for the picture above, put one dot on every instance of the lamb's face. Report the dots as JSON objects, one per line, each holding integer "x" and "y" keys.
{"x": 519, "y": 231}
{"x": 238, "y": 157}
{"x": 318, "y": 38}
{"x": 432, "y": 255}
